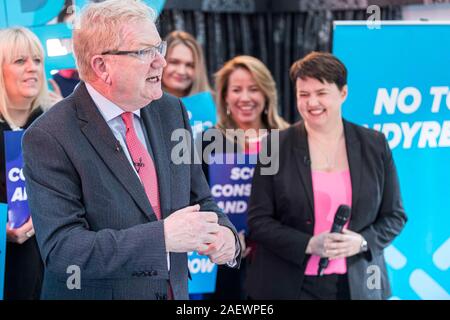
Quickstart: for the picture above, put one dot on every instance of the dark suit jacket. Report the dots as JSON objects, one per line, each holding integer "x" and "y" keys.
{"x": 281, "y": 215}
{"x": 90, "y": 209}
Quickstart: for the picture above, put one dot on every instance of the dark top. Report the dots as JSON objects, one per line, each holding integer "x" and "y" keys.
{"x": 67, "y": 85}
{"x": 23, "y": 265}
{"x": 209, "y": 137}
{"x": 281, "y": 215}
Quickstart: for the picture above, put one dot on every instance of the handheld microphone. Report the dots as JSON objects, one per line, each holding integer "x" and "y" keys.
{"x": 340, "y": 219}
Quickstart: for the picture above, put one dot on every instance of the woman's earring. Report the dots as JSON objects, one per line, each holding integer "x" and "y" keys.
{"x": 266, "y": 111}
{"x": 228, "y": 111}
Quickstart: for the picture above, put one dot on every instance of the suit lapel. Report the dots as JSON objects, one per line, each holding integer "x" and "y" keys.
{"x": 354, "y": 161}
{"x": 152, "y": 122}
{"x": 303, "y": 162}
{"x": 97, "y": 131}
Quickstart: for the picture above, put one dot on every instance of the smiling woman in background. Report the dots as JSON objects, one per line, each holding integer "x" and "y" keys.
{"x": 23, "y": 96}
{"x": 324, "y": 162}
{"x": 185, "y": 73}
{"x": 246, "y": 99}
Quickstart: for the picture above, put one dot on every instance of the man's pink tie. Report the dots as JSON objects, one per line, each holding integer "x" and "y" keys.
{"x": 143, "y": 163}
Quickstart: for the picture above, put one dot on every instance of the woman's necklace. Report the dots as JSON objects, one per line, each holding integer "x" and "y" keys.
{"x": 330, "y": 157}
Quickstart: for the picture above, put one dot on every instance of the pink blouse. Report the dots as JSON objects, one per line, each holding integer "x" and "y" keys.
{"x": 331, "y": 189}
{"x": 253, "y": 146}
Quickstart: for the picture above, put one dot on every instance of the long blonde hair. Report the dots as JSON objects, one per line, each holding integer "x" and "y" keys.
{"x": 265, "y": 82}
{"x": 200, "y": 80}
{"x": 14, "y": 41}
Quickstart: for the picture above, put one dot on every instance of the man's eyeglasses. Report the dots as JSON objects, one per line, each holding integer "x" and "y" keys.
{"x": 144, "y": 55}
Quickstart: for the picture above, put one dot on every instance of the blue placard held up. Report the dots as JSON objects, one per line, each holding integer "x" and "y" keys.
{"x": 202, "y": 115}
{"x": 230, "y": 179}
{"x": 3, "y": 214}
{"x": 203, "y": 273}
{"x": 201, "y": 111}
{"x": 18, "y": 211}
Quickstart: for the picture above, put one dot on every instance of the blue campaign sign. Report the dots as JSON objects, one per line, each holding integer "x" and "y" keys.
{"x": 201, "y": 110}
{"x": 18, "y": 211}
{"x": 230, "y": 180}
{"x": 31, "y": 13}
{"x": 203, "y": 274}
{"x": 3, "y": 15}
{"x": 3, "y": 214}
{"x": 35, "y": 14}
{"x": 399, "y": 83}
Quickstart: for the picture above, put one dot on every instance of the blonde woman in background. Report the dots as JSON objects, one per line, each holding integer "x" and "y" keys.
{"x": 246, "y": 98}
{"x": 23, "y": 98}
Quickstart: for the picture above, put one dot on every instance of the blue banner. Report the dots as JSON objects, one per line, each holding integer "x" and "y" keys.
{"x": 3, "y": 214}
{"x": 201, "y": 110}
{"x": 399, "y": 83}
{"x": 230, "y": 177}
{"x": 203, "y": 273}
{"x": 35, "y": 14}
{"x": 230, "y": 180}
{"x": 202, "y": 115}
{"x": 18, "y": 211}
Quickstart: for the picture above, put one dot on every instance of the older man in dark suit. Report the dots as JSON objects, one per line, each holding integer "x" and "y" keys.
{"x": 106, "y": 197}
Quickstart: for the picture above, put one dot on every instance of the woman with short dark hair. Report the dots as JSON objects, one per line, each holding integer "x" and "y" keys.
{"x": 324, "y": 162}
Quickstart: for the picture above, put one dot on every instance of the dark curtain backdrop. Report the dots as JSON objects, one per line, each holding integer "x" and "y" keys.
{"x": 277, "y": 32}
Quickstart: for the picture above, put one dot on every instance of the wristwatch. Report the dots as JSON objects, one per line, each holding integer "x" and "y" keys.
{"x": 363, "y": 247}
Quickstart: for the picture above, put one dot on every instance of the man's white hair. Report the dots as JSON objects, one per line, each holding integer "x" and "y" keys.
{"x": 99, "y": 28}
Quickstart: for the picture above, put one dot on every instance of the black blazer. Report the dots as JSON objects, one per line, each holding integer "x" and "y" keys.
{"x": 281, "y": 215}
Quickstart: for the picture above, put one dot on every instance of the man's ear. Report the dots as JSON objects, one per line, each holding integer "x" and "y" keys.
{"x": 100, "y": 69}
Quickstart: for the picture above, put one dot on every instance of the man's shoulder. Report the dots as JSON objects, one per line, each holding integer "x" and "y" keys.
{"x": 64, "y": 114}
{"x": 58, "y": 119}
{"x": 165, "y": 103}
{"x": 168, "y": 98}
{"x": 170, "y": 110}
